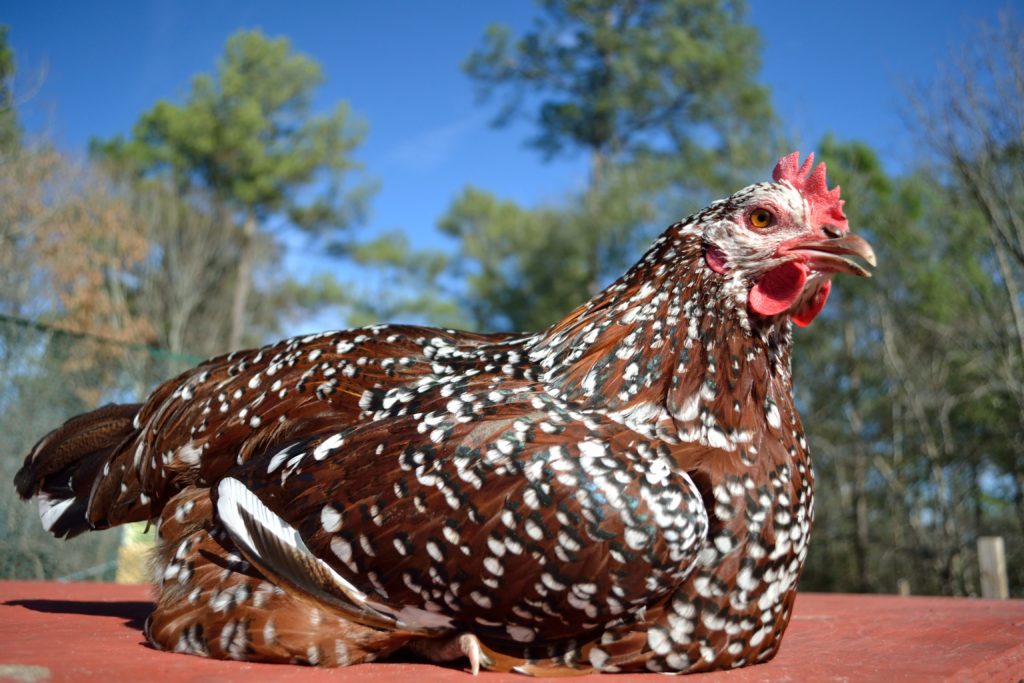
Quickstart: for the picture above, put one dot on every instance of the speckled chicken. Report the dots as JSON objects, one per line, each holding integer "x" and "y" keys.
{"x": 627, "y": 490}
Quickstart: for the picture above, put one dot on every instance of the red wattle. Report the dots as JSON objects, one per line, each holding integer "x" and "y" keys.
{"x": 812, "y": 308}
{"x": 778, "y": 289}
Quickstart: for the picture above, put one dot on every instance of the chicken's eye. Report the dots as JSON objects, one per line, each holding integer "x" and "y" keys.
{"x": 761, "y": 218}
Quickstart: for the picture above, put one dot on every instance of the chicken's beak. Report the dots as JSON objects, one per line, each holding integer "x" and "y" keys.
{"x": 830, "y": 255}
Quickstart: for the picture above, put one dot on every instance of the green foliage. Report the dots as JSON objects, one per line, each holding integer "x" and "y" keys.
{"x": 660, "y": 95}
{"x": 618, "y": 77}
{"x": 247, "y": 134}
{"x": 522, "y": 267}
{"x": 655, "y": 93}
{"x": 247, "y": 140}
{"x": 400, "y": 283}
{"x": 526, "y": 268}
{"x": 897, "y": 383}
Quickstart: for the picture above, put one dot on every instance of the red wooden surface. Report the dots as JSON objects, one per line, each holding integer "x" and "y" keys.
{"x": 89, "y": 631}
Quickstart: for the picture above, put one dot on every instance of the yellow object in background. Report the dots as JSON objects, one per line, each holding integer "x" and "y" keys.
{"x": 133, "y": 553}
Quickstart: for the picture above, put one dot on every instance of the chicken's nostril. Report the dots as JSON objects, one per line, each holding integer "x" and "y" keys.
{"x": 831, "y": 231}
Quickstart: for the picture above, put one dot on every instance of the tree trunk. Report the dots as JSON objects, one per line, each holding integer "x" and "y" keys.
{"x": 596, "y": 186}
{"x": 977, "y": 511}
{"x": 243, "y": 282}
{"x": 1018, "y": 497}
{"x": 861, "y": 538}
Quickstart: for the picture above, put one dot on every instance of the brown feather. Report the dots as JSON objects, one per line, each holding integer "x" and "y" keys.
{"x": 213, "y": 603}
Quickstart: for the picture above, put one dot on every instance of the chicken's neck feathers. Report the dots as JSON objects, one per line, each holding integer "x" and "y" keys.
{"x": 671, "y": 347}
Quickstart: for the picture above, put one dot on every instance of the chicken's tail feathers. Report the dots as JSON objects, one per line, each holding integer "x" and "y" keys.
{"x": 63, "y": 467}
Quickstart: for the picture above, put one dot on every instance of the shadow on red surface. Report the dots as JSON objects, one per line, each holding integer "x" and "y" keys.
{"x": 133, "y": 612}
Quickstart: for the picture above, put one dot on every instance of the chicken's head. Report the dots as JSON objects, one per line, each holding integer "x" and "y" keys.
{"x": 782, "y": 241}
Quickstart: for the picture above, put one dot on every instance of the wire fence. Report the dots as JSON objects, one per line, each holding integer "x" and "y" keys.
{"x": 48, "y": 375}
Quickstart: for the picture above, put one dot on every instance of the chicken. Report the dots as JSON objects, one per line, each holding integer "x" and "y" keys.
{"x": 627, "y": 490}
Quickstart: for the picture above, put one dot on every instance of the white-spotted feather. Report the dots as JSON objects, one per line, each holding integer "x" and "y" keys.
{"x": 270, "y": 542}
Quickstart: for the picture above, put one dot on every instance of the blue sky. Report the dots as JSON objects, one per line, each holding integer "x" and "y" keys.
{"x": 91, "y": 68}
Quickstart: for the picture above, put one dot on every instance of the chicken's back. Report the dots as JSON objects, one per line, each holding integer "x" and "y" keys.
{"x": 121, "y": 463}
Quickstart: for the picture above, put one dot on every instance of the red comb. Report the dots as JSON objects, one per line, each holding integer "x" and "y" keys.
{"x": 826, "y": 206}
